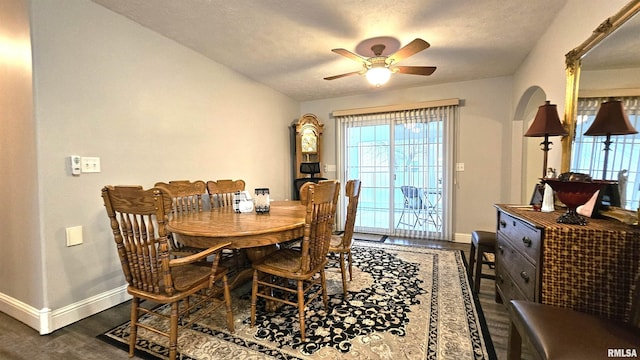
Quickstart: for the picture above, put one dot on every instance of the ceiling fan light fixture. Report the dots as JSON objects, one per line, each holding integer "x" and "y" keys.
{"x": 378, "y": 68}
{"x": 378, "y": 76}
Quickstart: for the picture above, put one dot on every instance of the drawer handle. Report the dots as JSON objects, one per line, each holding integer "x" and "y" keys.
{"x": 500, "y": 279}
{"x": 503, "y": 223}
{"x": 501, "y": 249}
{"x": 524, "y": 276}
{"x": 526, "y": 241}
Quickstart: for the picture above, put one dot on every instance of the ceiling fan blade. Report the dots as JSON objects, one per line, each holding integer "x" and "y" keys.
{"x": 342, "y": 75}
{"x": 352, "y": 56}
{"x": 415, "y": 70}
{"x": 411, "y": 48}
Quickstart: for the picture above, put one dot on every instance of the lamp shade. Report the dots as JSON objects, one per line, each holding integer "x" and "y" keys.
{"x": 547, "y": 122}
{"x": 611, "y": 120}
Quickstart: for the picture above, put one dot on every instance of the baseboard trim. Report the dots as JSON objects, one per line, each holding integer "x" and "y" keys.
{"x": 462, "y": 238}
{"x": 46, "y": 321}
{"x": 20, "y": 311}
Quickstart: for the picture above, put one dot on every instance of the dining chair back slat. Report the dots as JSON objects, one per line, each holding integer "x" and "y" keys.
{"x": 352, "y": 192}
{"x": 341, "y": 244}
{"x": 186, "y": 195}
{"x": 221, "y": 191}
{"x": 319, "y": 223}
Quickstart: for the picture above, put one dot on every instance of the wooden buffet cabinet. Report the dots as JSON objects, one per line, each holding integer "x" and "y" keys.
{"x": 588, "y": 268}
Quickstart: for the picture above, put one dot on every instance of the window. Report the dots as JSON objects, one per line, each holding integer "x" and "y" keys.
{"x": 623, "y": 165}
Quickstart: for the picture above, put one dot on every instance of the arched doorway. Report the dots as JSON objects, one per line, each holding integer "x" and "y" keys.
{"x": 532, "y": 157}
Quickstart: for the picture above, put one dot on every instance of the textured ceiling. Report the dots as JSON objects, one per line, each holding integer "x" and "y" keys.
{"x": 286, "y": 44}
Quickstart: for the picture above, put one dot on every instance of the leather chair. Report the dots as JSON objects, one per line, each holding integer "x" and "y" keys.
{"x": 482, "y": 242}
{"x": 310, "y": 168}
{"x": 552, "y": 332}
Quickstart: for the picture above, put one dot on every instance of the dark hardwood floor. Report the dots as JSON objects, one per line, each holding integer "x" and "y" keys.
{"x": 78, "y": 340}
{"x": 74, "y": 342}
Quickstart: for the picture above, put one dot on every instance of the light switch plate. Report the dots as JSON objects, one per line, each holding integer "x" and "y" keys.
{"x": 90, "y": 164}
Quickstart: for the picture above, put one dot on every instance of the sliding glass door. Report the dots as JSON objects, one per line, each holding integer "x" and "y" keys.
{"x": 403, "y": 161}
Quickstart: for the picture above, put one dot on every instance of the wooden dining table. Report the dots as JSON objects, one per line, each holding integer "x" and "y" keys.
{"x": 255, "y": 235}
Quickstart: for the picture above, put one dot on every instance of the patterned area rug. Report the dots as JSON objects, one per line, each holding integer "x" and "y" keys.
{"x": 404, "y": 303}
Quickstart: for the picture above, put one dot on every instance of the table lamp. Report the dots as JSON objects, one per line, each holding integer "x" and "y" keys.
{"x": 546, "y": 123}
{"x": 610, "y": 120}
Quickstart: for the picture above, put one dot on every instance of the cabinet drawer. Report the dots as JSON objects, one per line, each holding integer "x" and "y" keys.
{"x": 513, "y": 263}
{"x": 524, "y": 237}
{"x": 507, "y": 288}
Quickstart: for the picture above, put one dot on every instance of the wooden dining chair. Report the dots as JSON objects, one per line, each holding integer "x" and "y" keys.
{"x": 341, "y": 244}
{"x": 186, "y": 195}
{"x": 273, "y": 274}
{"x": 137, "y": 219}
{"x": 221, "y": 195}
{"x": 221, "y": 191}
{"x": 186, "y": 198}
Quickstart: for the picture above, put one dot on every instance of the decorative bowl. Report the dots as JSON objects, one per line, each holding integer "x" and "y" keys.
{"x": 573, "y": 194}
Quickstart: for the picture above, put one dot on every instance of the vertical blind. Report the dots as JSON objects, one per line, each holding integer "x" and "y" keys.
{"x": 587, "y": 155}
{"x": 401, "y": 147}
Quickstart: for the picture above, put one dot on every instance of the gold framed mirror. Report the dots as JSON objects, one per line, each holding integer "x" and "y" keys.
{"x": 573, "y": 62}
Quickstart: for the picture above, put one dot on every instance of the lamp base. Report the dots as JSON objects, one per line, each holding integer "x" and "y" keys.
{"x": 571, "y": 217}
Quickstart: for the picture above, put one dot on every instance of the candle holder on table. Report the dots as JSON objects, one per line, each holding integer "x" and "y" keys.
{"x": 262, "y": 201}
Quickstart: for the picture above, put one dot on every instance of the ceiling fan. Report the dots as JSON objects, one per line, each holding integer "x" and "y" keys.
{"x": 379, "y": 68}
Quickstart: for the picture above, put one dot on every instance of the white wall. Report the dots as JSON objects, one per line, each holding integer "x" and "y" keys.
{"x": 152, "y": 110}
{"x": 486, "y": 107}
{"x": 20, "y": 267}
{"x": 545, "y": 65}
